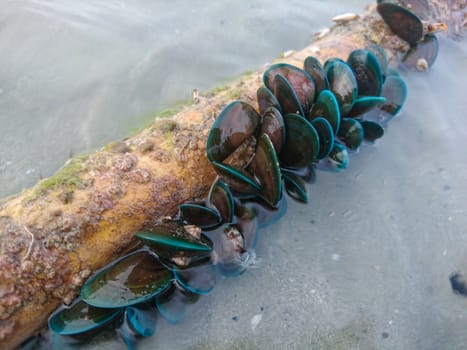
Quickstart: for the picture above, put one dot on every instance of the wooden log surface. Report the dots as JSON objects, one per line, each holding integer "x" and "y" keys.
{"x": 56, "y": 234}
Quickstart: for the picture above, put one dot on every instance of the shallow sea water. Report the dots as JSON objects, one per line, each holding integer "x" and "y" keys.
{"x": 365, "y": 265}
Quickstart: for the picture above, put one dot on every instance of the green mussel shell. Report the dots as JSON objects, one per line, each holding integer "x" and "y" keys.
{"x": 404, "y": 23}
{"x": 81, "y": 317}
{"x": 371, "y": 130}
{"x": 273, "y": 125}
{"x": 236, "y": 123}
{"x": 343, "y": 84}
{"x": 426, "y": 50}
{"x": 325, "y": 134}
{"x": 301, "y": 82}
{"x": 302, "y": 143}
{"x": 133, "y": 279}
{"x": 295, "y": 187}
{"x": 351, "y": 133}
{"x": 326, "y": 106}
{"x": 364, "y": 104}
{"x": 313, "y": 67}
{"x": 199, "y": 215}
{"x": 368, "y": 72}
{"x": 265, "y": 167}
{"x": 266, "y": 99}
{"x": 221, "y": 198}
{"x": 286, "y": 96}
{"x": 173, "y": 243}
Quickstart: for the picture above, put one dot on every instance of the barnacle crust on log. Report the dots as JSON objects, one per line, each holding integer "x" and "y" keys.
{"x": 56, "y": 234}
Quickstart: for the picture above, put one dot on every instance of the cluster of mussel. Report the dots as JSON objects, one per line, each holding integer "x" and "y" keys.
{"x": 308, "y": 118}
{"x": 408, "y": 19}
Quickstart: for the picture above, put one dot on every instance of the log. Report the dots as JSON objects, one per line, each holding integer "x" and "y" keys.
{"x": 56, "y": 234}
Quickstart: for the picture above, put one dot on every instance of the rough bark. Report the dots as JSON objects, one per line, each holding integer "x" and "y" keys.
{"x": 54, "y": 235}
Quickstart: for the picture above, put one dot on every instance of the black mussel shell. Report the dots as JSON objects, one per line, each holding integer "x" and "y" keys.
{"x": 266, "y": 99}
{"x": 265, "y": 168}
{"x": 133, "y": 279}
{"x": 177, "y": 244}
{"x": 351, "y": 133}
{"x": 381, "y": 56}
{"x": 371, "y": 130}
{"x": 402, "y": 22}
{"x": 199, "y": 279}
{"x": 326, "y": 106}
{"x": 273, "y": 125}
{"x": 302, "y": 142}
{"x": 199, "y": 215}
{"x": 343, "y": 84}
{"x": 142, "y": 318}
{"x": 325, "y": 134}
{"x": 313, "y": 67}
{"x": 367, "y": 71}
{"x": 221, "y": 198}
{"x": 286, "y": 96}
{"x": 295, "y": 187}
{"x": 236, "y": 123}
{"x": 364, "y": 104}
{"x": 300, "y": 81}
{"x": 80, "y": 318}
{"x": 238, "y": 179}
{"x": 423, "y": 54}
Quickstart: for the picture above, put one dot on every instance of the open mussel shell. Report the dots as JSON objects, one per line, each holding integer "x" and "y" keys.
{"x": 266, "y": 99}
{"x": 286, "y": 96}
{"x": 402, "y": 22}
{"x": 301, "y": 82}
{"x": 199, "y": 279}
{"x": 313, "y": 67}
{"x": 422, "y": 55}
{"x": 381, "y": 56}
{"x": 142, "y": 318}
{"x": 236, "y": 123}
{"x": 302, "y": 142}
{"x": 221, "y": 198}
{"x": 337, "y": 160}
{"x": 81, "y": 317}
{"x": 364, "y": 104}
{"x": 238, "y": 178}
{"x": 371, "y": 130}
{"x": 199, "y": 215}
{"x": 230, "y": 256}
{"x": 173, "y": 305}
{"x": 273, "y": 125}
{"x": 133, "y": 279}
{"x": 325, "y": 135}
{"x": 343, "y": 84}
{"x": 178, "y": 244}
{"x": 395, "y": 92}
{"x": 263, "y": 215}
{"x": 326, "y": 106}
{"x": 368, "y": 72}
{"x": 295, "y": 187}
{"x": 265, "y": 167}
{"x": 351, "y": 133}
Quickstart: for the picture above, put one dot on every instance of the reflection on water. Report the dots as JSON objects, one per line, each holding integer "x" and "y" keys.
{"x": 77, "y": 74}
{"x": 365, "y": 265}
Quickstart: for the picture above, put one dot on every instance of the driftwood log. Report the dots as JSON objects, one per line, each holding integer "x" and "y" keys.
{"x": 56, "y": 234}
